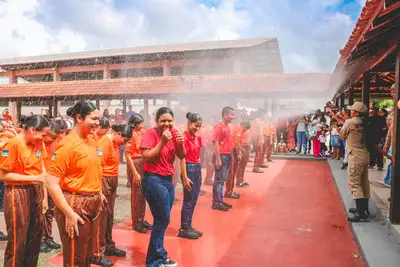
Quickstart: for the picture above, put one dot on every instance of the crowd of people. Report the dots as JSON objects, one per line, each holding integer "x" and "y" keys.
{"x": 53, "y": 168}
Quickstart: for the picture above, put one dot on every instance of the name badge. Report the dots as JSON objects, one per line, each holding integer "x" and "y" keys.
{"x": 38, "y": 153}
{"x": 54, "y": 156}
{"x": 100, "y": 152}
{"x": 4, "y": 153}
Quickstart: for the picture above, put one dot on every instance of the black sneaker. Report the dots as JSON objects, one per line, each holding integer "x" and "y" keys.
{"x": 233, "y": 195}
{"x": 51, "y": 244}
{"x": 116, "y": 252}
{"x": 3, "y": 237}
{"x": 140, "y": 228}
{"x": 241, "y": 185}
{"x": 44, "y": 248}
{"x": 103, "y": 261}
{"x": 188, "y": 234}
{"x": 197, "y": 232}
{"x": 168, "y": 263}
{"x": 229, "y": 206}
{"x": 344, "y": 166}
{"x": 148, "y": 225}
{"x": 246, "y": 184}
{"x": 219, "y": 206}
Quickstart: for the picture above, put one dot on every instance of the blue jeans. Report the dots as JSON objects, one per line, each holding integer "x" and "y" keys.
{"x": 190, "y": 198}
{"x": 220, "y": 177}
{"x": 301, "y": 141}
{"x": 159, "y": 192}
{"x": 388, "y": 178}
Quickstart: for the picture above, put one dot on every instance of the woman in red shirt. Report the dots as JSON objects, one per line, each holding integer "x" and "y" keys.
{"x": 191, "y": 176}
{"x": 160, "y": 145}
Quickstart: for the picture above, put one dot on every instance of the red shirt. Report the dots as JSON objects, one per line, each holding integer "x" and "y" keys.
{"x": 223, "y": 137}
{"x": 164, "y": 165}
{"x": 7, "y": 117}
{"x": 192, "y": 147}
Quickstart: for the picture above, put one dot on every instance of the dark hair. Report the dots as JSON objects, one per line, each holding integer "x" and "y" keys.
{"x": 62, "y": 123}
{"x": 245, "y": 124}
{"x": 162, "y": 111}
{"x": 385, "y": 112}
{"x": 104, "y": 123}
{"x": 193, "y": 117}
{"x": 227, "y": 110}
{"x": 38, "y": 122}
{"x": 124, "y": 129}
{"x": 135, "y": 119}
{"x": 82, "y": 108}
{"x": 55, "y": 127}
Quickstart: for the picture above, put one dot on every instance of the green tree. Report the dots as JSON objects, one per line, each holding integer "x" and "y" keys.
{"x": 385, "y": 103}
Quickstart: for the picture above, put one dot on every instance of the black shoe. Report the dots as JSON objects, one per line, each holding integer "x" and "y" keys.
{"x": 147, "y": 225}
{"x": 51, "y": 244}
{"x": 354, "y": 210}
{"x": 242, "y": 185}
{"x": 140, "y": 228}
{"x": 3, "y": 237}
{"x": 361, "y": 211}
{"x": 116, "y": 252}
{"x": 44, "y": 248}
{"x": 344, "y": 166}
{"x": 103, "y": 261}
{"x": 229, "y": 206}
{"x": 220, "y": 207}
{"x": 270, "y": 160}
{"x": 188, "y": 234}
{"x": 197, "y": 232}
{"x": 380, "y": 169}
{"x": 168, "y": 263}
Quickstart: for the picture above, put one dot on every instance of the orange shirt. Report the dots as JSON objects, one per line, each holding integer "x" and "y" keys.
{"x": 58, "y": 140}
{"x": 236, "y": 134}
{"x": 18, "y": 157}
{"x": 110, "y": 156}
{"x": 246, "y": 138}
{"x": 272, "y": 129}
{"x": 9, "y": 134}
{"x": 77, "y": 163}
{"x": 49, "y": 152}
{"x": 134, "y": 145}
{"x": 267, "y": 129}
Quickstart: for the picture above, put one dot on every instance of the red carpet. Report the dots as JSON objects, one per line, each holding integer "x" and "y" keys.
{"x": 290, "y": 216}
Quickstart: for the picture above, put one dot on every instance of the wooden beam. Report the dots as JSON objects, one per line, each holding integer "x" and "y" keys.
{"x": 342, "y": 104}
{"x": 146, "y": 109}
{"x": 366, "y": 88}
{"x": 351, "y": 96}
{"x": 395, "y": 192}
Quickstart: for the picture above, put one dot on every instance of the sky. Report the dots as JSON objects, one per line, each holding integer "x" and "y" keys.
{"x": 310, "y": 32}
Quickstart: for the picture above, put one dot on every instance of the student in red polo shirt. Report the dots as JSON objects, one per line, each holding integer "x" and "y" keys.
{"x": 160, "y": 145}
{"x": 223, "y": 147}
{"x": 191, "y": 176}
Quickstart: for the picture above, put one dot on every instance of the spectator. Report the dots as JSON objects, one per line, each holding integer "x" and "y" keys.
{"x": 6, "y": 115}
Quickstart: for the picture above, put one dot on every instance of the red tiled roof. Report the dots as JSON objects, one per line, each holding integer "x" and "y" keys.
{"x": 368, "y": 14}
{"x": 257, "y": 83}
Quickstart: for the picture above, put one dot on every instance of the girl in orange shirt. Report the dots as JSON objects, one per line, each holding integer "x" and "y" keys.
{"x": 135, "y": 173}
{"x": 109, "y": 147}
{"x": 21, "y": 167}
{"x": 74, "y": 182}
{"x": 104, "y": 127}
{"x": 48, "y": 243}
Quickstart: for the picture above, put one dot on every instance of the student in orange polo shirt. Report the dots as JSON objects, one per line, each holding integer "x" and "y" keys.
{"x": 230, "y": 182}
{"x": 135, "y": 174}
{"x": 104, "y": 127}
{"x": 191, "y": 176}
{"x": 74, "y": 182}
{"x": 22, "y": 167}
{"x": 267, "y": 133}
{"x": 258, "y": 142}
{"x": 3, "y": 140}
{"x": 223, "y": 147}
{"x": 109, "y": 146}
{"x": 243, "y": 152}
{"x": 160, "y": 146}
{"x": 49, "y": 139}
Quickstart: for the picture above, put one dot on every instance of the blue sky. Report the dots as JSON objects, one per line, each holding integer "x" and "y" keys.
{"x": 310, "y": 32}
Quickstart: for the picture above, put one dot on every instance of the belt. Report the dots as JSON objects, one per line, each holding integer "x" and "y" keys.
{"x": 81, "y": 193}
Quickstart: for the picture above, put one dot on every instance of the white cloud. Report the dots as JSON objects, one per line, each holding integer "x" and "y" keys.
{"x": 309, "y": 36}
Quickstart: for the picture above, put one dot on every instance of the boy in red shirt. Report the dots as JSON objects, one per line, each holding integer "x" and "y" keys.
{"x": 223, "y": 147}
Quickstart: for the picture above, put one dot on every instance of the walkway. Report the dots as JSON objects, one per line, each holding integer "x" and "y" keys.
{"x": 290, "y": 216}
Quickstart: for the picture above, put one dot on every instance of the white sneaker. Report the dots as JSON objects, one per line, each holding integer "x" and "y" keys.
{"x": 382, "y": 182}
{"x": 168, "y": 263}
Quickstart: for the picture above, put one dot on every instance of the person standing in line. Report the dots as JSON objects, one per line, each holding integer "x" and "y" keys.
{"x": 223, "y": 146}
{"x": 209, "y": 151}
{"x": 108, "y": 147}
{"x": 160, "y": 145}
{"x": 191, "y": 176}
{"x": 230, "y": 182}
{"x": 266, "y": 150}
{"x": 22, "y": 169}
{"x": 135, "y": 173}
{"x": 74, "y": 183}
{"x": 3, "y": 140}
{"x": 104, "y": 127}
{"x": 301, "y": 135}
{"x": 257, "y": 142}
{"x": 355, "y": 131}
{"x": 48, "y": 243}
{"x": 242, "y": 144}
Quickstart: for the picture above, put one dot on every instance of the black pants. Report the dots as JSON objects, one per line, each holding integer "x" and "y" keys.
{"x": 376, "y": 158}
